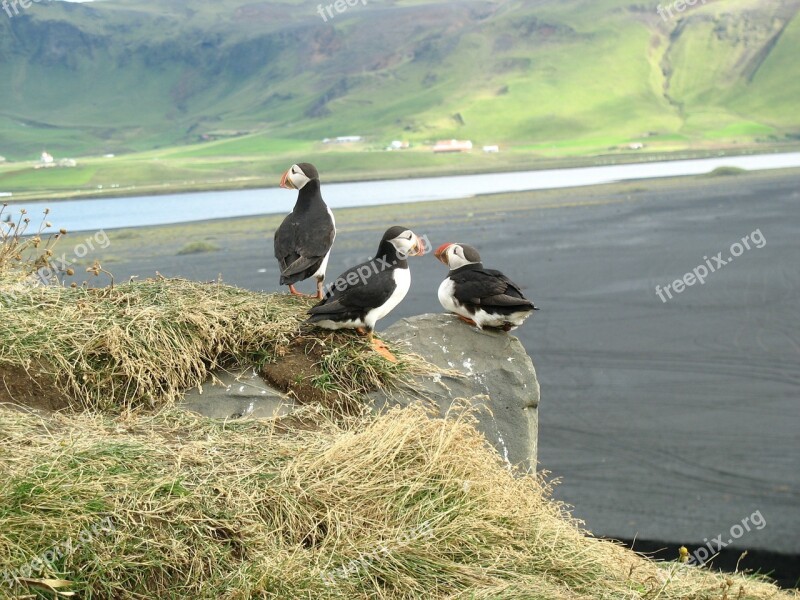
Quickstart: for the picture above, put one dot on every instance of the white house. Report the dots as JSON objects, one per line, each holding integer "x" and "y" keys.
{"x": 452, "y": 146}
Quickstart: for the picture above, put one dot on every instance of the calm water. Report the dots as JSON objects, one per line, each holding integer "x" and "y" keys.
{"x": 111, "y": 213}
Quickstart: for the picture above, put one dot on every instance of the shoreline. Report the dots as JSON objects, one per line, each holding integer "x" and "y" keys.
{"x": 523, "y": 197}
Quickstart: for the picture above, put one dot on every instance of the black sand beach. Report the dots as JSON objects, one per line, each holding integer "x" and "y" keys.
{"x": 665, "y": 421}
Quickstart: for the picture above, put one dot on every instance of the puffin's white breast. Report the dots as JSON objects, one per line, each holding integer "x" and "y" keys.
{"x": 402, "y": 280}
{"x": 481, "y": 317}
{"x": 447, "y": 297}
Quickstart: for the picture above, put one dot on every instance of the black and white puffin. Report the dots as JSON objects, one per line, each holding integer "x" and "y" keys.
{"x": 303, "y": 241}
{"x": 479, "y": 296}
{"x": 366, "y": 293}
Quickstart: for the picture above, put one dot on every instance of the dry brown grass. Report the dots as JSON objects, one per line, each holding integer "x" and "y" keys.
{"x": 398, "y": 506}
{"x": 139, "y": 344}
{"x": 22, "y": 248}
{"x": 143, "y": 344}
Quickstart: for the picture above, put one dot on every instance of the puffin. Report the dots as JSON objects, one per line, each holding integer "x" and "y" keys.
{"x": 479, "y": 296}
{"x": 303, "y": 241}
{"x": 369, "y": 291}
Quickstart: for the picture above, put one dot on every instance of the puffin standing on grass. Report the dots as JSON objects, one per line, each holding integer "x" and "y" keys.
{"x": 303, "y": 241}
{"x": 479, "y": 296}
{"x": 371, "y": 290}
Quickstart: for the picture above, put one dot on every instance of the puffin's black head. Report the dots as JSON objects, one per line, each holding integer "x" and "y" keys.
{"x": 456, "y": 255}
{"x": 298, "y": 176}
{"x": 405, "y": 241}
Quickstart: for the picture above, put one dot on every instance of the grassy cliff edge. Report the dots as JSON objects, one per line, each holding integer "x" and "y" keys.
{"x": 121, "y": 495}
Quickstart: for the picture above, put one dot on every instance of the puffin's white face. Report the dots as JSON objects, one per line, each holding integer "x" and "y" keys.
{"x": 455, "y": 256}
{"x": 294, "y": 179}
{"x": 408, "y": 243}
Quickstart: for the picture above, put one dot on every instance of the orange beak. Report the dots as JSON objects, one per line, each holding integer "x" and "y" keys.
{"x": 419, "y": 248}
{"x": 286, "y": 183}
{"x": 440, "y": 252}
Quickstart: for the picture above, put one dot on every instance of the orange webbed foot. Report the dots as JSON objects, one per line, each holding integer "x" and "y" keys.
{"x": 294, "y": 292}
{"x": 383, "y": 350}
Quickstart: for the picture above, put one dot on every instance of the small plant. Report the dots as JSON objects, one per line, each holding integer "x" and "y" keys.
{"x": 727, "y": 172}
{"x": 198, "y": 248}
{"x": 95, "y": 270}
{"x": 20, "y": 250}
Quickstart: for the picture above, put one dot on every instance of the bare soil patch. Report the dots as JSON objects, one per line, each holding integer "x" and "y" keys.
{"x": 31, "y": 389}
{"x": 296, "y": 370}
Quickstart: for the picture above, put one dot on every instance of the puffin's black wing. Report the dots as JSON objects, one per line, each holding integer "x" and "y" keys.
{"x": 364, "y": 291}
{"x": 488, "y": 289}
{"x": 301, "y": 243}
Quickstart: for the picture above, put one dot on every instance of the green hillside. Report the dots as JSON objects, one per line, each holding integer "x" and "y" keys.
{"x": 262, "y": 81}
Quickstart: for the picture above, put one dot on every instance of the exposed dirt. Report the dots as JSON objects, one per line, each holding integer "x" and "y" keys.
{"x": 31, "y": 389}
{"x": 295, "y": 371}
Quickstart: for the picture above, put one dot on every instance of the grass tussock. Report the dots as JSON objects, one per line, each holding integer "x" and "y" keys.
{"x": 398, "y": 506}
{"x": 198, "y": 248}
{"x": 143, "y": 344}
{"x": 727, "y": 172}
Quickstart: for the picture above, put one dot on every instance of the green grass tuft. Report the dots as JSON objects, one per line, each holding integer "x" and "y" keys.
{"x": 198, "y": 248}
{"x": 727, "y": 172}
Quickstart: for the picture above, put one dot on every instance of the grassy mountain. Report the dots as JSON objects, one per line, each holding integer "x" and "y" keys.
{"x": 212, "y": 78}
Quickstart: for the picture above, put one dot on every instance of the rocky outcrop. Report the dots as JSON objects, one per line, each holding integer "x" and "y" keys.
{"x": 238, "y": 395}
{"x": 490, "y": 370}
{"x": 497, "y": 377}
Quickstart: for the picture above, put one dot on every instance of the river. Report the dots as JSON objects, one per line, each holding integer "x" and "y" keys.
{"x": 137, "y": 211}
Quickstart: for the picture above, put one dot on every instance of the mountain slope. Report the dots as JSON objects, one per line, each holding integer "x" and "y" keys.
{"x": 132, "y": 75}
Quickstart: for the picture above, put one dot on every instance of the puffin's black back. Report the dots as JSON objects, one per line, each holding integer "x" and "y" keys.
{"x": 345, "y": 301}
{"x": 373, "y": 284}
{"x": 306, "y": 235}
{"x": 477, "y": 287}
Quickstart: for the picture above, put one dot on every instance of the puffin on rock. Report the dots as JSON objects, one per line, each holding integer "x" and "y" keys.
{"x": 371, "y": 290}
{"x": 479, "y": 296}
{"x": 303, "y": 241}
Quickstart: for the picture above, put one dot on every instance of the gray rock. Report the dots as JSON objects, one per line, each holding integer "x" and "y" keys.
{"x": 498, "y": 379}
{"x": 238, "y": 395}
{"x": 498, "y": 375}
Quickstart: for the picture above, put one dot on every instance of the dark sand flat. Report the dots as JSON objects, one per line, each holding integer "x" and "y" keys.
{"x": 665, "y": 421}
